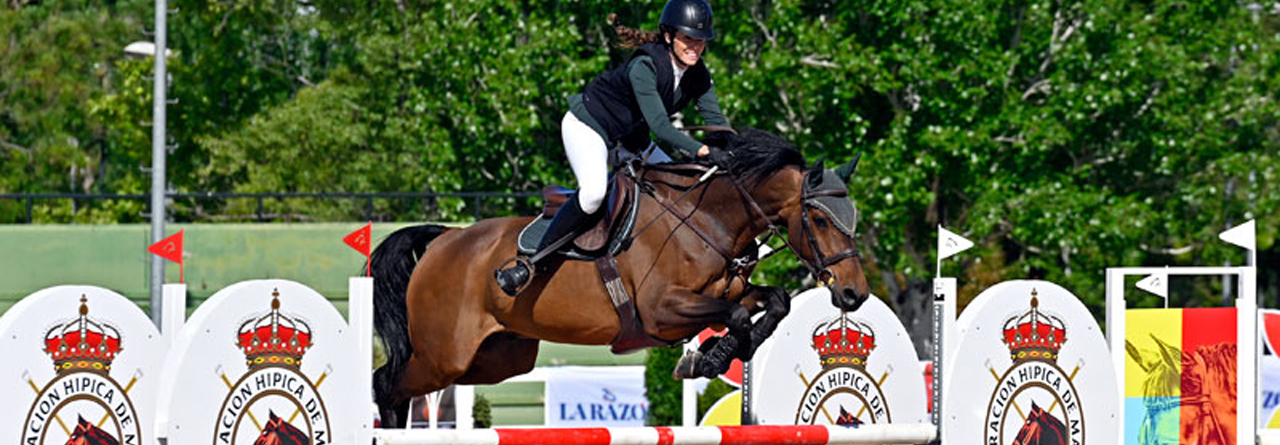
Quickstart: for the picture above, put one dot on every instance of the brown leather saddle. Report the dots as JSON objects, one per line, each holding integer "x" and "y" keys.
{"x": 607, "y": 235}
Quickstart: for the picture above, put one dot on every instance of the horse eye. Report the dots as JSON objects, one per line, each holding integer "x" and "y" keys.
{"x": 820, "y": 222}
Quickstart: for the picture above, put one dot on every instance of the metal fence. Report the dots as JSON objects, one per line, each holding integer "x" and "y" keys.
{"x": 211, "y": 206}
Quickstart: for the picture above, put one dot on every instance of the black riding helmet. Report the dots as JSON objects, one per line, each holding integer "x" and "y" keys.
{"x": 691, "y": 17}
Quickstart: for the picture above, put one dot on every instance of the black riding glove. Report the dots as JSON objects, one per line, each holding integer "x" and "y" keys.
{"x": 720, "y": 157}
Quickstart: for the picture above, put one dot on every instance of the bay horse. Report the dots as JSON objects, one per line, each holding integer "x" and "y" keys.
{"x": 444, "y": 320}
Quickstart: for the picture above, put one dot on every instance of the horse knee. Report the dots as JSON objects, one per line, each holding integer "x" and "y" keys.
{"x": 779, "y": 302}
{"x": 739, "y": 319}
{"x": 591, "y": 196}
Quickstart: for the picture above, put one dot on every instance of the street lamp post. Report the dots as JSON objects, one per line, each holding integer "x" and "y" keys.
{"x": 158, "y": 157}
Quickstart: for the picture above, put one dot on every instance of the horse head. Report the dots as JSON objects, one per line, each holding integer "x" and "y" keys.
{"x": 813, "y": 203}
{"x": 279, "y": 432}
{"x": 1208, "y": 414}
{"x": 1041, "y": 428}
{"x": 828, "y": 221}
{"x": 1164, "y": 378}
{"x": 88, "y": 434}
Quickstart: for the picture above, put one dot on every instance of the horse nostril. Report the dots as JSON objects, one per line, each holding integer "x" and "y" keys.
{"x": 852, "y": 298}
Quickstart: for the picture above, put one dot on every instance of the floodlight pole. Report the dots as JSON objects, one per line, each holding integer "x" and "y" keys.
{"x": 157, "y": 160}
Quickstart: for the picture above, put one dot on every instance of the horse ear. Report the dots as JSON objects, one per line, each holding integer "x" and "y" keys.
{"x": 1137, "y": 356}
{"x": 846, "y": 171}
{"x": 1172, "y": 356}
{"x": 814, "y": 175}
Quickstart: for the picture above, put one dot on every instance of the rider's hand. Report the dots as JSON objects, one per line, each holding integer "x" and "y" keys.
{"x": 704, "y": 151}
{"x": 720, "y": 157}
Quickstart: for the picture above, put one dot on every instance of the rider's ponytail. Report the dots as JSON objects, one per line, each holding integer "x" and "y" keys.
{"x": 630, "y": 38}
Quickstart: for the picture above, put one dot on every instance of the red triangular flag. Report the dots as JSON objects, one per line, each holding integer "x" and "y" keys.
{"x": 169, "y": 248}
{"x": 359, "y": 239}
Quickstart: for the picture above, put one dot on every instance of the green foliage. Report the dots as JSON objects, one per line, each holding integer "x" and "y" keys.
{"x": 663, "y": 391}
{"x": 58, "y": 56}
{"x": 481, "y": 412}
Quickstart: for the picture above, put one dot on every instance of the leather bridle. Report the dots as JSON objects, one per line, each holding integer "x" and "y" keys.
{"x": 819, "y": 266}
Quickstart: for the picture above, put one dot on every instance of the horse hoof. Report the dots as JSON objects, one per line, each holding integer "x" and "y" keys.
{"x": 687, "y": 366}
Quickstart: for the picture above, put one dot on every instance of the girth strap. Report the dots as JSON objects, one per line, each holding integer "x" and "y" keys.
{"x": 631, "y": 334}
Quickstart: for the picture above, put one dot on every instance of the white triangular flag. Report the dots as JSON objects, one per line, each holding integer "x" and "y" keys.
{"x": 1157, "y": 283}
{"x": 1242, "y": 235}
{"x": 950, "y": 244}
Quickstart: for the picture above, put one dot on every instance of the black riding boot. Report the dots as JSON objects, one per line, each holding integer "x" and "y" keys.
{"x": 570, "y": 219}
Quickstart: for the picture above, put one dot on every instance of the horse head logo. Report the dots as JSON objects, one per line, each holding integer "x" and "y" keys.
{"x": 1041, "y": 428}
{"x": 87, "y": 434}
{"x": 279, "y": 432}
{"x": 1189, "y": 395}
{"x": 1208, "y": 414}
{"x": 1161, "y": 367}
{"x": 847, "y": 419}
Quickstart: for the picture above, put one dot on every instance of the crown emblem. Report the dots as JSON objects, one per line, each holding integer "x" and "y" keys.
{"x": 1034, "y": 335}
{"x": 843, "y": 342}
{"x": 274, "y": 338}
{"x": 82, "y": 344}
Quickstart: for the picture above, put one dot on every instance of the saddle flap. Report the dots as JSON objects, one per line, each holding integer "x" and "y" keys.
{"x": 596, "y": 237}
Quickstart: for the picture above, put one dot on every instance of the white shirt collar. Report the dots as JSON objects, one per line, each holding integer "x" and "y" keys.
{"x": 679, "y": 73}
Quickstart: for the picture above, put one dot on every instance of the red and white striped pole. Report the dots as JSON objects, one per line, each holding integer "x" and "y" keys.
{"x": 724, "y": 435}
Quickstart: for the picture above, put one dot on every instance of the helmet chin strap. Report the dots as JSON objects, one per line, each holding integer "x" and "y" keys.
{"x": 676, "y": 58}
{"x": 671, "y": 49}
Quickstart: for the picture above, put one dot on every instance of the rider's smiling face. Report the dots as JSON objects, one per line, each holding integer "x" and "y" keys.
{"x": 687, "y": 50}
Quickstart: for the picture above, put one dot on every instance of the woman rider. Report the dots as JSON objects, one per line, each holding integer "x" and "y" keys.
{"x": 623, "y": 105}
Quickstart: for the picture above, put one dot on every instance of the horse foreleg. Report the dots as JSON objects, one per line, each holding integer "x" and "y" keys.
{"x": 777, "y": 305}
{"x": 715, "y": 355}
{"x": 743, "y": 339}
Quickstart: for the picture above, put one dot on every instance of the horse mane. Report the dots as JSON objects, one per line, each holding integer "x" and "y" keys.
{"x": 757, "y": 154}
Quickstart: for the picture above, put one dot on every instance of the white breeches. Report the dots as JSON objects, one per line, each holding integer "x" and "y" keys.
{"x": 589, "y": 157}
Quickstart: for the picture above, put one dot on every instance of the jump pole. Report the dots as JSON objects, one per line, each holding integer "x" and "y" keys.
{"x": 724, "y": 435}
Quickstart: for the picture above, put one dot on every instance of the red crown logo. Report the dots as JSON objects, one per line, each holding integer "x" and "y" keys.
{"x": 1034, "y": 335}
{"x": 274, "y": 338}
{"x": 82, "y": 344}
{"x": 843, "y": 342}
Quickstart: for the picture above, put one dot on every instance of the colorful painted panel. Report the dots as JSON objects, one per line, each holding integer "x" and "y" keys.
{"x": 1180, "y": 376}
{"x": 1269, "y": 370}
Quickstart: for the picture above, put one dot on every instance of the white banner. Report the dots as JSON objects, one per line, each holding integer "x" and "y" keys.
{"x": 596, "y": 396}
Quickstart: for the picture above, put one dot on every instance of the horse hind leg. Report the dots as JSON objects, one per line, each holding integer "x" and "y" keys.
{"x": 501, "y": 355}
{"x": 394, "y": 415}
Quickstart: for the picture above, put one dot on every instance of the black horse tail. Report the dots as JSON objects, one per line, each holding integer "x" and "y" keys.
{"x": 393, "y": 262}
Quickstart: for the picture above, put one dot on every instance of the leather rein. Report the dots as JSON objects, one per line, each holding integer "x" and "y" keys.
{"x": 736, "y": 266}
